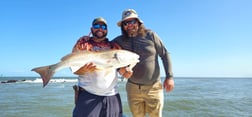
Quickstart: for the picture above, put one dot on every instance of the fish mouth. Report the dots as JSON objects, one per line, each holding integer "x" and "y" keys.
{"x": 121, "y": 57}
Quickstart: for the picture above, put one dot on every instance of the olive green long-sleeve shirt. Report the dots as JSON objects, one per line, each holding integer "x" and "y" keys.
{"x": 147, "y": 71}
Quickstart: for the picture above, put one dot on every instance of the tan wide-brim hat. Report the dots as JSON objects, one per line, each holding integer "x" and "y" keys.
{"x": 127, "y": 14}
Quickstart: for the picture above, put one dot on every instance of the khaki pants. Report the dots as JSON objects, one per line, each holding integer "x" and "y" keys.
{"x": 144, "y": 99}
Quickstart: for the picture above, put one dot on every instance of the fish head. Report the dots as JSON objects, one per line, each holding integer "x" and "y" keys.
{"x": 127, "y": 57}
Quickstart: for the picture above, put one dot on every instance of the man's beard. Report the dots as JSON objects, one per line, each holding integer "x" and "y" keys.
{"x": 132, "y": 32}
{"x": 97, "y": 36}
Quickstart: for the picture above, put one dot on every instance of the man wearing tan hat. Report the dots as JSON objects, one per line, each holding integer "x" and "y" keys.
{"x": 96, "y": 94}
{"x": 144, "y": 87}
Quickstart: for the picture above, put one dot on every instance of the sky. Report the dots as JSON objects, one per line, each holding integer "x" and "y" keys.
{"x": 205, "y": 38}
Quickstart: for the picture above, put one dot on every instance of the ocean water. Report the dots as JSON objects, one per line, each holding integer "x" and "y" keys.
{"x": 192, "y": 97}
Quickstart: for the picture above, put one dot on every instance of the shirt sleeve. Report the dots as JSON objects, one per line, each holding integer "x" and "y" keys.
{"x": 164, "y": 55}
{"x": 82, "y": 44}
{"x": 115, "y": 46}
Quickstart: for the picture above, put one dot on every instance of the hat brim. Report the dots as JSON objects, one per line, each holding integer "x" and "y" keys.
{"x": 120, "y": 22}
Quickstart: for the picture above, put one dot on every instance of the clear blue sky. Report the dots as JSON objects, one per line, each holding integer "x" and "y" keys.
{"x": 205, "y": 37}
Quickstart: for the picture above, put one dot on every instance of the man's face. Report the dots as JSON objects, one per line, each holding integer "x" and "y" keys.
{"x": 131, "y": 26}
{"x": 99, "y": 30}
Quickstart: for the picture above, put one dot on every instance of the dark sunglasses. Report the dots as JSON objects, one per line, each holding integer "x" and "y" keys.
{"x": 125, "y": 23}
{"x": 102, "y": 26}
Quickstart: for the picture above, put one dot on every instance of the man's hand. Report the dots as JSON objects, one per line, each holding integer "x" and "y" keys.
{"x": 125, "y": 73}
{"x": 169, "y": 84}
{"x": 89, "y": 67}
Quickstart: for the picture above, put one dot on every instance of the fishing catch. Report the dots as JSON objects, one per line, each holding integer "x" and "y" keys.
{"x": 102, "y": 60}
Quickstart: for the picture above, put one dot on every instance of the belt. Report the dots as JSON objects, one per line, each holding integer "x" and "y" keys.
{"x": 141, "y": 84}
{"x": 135, "y": 83}
{"x": 78, "y": 88}
{"x": 138, "y": 84}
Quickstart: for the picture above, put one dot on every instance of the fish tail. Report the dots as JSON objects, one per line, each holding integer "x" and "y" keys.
{"x": 45, "y": 73}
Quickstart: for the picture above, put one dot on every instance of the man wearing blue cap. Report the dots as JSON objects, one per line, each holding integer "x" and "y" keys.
{"x": 97, "y": 93}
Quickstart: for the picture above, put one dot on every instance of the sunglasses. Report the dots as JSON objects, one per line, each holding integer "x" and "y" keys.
{"x": 102, "y": 26}
{"x": 125, "y": 23}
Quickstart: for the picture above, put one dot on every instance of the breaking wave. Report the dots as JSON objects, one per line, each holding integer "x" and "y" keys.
{"x": 39, "y": 80}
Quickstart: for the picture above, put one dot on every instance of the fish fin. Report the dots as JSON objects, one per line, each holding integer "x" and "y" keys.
{"x": 73, "y": 54}
{"x": 68, "y": 56}
{"x": 97, "y": 69}
{"x": 44, "y": 73}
